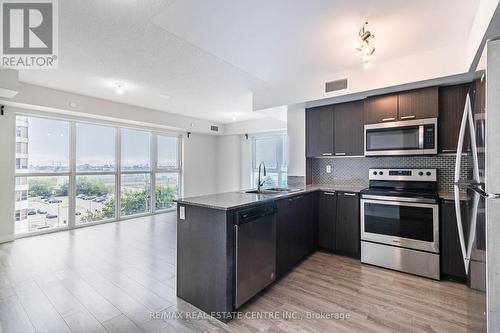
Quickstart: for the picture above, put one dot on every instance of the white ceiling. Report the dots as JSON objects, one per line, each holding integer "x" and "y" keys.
{"x": 209, "y": 56}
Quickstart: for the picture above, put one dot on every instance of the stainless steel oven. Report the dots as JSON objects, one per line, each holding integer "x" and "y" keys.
{"x": 401, "y": 221}
{"x": 409, "y": 137}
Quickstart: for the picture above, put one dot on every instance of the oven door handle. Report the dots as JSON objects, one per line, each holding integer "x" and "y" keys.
{"x": 383, "y": 198}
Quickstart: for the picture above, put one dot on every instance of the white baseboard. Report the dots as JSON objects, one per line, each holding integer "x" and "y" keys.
{"x": 6, "y": 238}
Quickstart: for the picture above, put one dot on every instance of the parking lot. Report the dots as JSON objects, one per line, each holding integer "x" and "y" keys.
{"x": 58, "y": 212}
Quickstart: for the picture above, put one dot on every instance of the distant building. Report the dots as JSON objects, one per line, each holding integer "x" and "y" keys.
{"x": 21, "y": 163}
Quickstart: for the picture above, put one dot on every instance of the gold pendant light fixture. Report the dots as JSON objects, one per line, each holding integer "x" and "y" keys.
{"x": 364, "y": 44}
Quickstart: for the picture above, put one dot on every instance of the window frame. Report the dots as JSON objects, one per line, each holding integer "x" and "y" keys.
{"x": 72, "y": 174}
{"x": 280, "y": 154}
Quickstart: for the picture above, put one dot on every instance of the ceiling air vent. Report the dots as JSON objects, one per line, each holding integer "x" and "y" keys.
{"x": 335, "y": 85}
{"x": 214, "y": 128}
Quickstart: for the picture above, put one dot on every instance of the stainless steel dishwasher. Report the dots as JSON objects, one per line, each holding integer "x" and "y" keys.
{"x": 255, "y": 251}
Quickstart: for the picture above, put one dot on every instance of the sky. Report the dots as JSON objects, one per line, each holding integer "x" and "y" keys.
{"x": 49, "y": 141}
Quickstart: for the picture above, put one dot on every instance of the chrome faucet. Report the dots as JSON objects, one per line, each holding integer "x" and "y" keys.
{"x": 259, "y": 181}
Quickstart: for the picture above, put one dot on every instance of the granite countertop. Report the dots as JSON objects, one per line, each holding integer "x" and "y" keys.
{"x": 239, "y": 199}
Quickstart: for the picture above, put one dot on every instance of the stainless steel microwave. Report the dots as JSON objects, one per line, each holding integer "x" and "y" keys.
{"x": 409, "y": 137}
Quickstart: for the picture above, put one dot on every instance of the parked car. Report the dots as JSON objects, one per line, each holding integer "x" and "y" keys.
{"x": 80, "y": 196}
{"x": 89, "y": 197}
{"x": 99, "y": 199}
{"x": 54, "y": 200}
{"x": 51, "y": 216}
{"x": 41, "y": 211}
{"x": 31, "y": 211}
{"x": 78, "y": 213}
{"x": 44, "y": 197}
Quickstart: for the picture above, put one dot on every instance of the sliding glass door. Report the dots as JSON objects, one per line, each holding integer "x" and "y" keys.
{"x": 70, "y": 174}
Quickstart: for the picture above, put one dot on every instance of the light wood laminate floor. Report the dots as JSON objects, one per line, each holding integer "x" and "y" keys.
{"x": 113, "y": 277}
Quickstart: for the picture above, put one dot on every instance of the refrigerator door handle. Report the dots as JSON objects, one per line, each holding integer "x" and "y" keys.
{"x": 466, "y": 247}
{"x": 478, "y": 188}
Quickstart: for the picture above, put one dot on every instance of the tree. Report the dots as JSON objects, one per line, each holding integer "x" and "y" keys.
{"x": 165, "y": 196}
{"x": 91, "y": 187}
{"x": 107, "y": 212}
{"x": 40, "y": 187}
{"x": 134, "y": 202}
{"x": 63, "y": 191}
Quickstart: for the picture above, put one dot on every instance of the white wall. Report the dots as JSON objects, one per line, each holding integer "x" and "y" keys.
{"x": 55, "y": 101}
{"x": 246, "y": 162}
{"x": 255, "y": 126}
{"x": 228, "y": 163}
{"x": 7, "y": 181}
{"x": 413, "y": 68}
{"x": 482, "y": 19}
{"x": 200, "y": 164}
{"x": 296, "y": 130}
{"x": 9, "y": 83}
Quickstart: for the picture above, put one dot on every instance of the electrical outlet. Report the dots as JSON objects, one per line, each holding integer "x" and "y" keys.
{"x": 182, "y": 213}
{"x": 328, "y": 169}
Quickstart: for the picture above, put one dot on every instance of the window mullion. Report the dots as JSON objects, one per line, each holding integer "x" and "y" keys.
{"x": 118, "y": 174}
{"x": 72, "y": 176}
{"x": 154, "y": 166}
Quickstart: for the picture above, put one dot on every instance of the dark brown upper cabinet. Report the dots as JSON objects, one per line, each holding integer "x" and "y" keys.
{"x": 379, "y": 109}
{"x": 349, "y": 135}
{"x": 407, "y": 105}
{"x": 319, "y": 131}
{"x": 418, "y": 104}
{"x": 451, "y": 108}
{"x": 479, "y": 102}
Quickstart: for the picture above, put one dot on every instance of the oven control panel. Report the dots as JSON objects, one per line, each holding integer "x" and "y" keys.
{"x": 427, "y": 175}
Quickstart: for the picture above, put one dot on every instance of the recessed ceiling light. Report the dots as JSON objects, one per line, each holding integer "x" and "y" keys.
{"x": 119, "y": 88}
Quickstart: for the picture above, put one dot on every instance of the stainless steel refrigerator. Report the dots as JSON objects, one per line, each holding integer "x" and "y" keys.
{"x": 479, "y": 232}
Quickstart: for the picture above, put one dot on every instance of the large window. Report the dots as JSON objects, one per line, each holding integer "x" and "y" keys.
{"x": 70, "y": 173}
{"x": 95, "y": 148}
{"x": 272, "y": 150}
{"x": 136, "y": 150}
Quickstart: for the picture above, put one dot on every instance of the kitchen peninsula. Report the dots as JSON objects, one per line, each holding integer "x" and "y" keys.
{"x": 232, "y": 245}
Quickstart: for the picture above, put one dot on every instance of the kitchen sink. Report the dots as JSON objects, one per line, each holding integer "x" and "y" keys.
{"x": 273, "y": 190}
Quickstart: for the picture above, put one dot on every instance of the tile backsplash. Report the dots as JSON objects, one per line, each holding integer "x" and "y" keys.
{"x": 354, "y": 170}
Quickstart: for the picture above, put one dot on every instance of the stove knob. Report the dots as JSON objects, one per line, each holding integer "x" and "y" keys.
{"x": 420, "y": 173}
{"x": 375, "y": 173}
{"x": 428, "y": 173}
{"x": 381, "y": 173}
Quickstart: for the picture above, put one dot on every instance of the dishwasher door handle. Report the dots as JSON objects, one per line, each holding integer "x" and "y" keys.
{"x": 236, "y": 244}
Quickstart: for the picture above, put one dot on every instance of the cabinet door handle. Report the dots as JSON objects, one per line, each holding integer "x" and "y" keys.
{"x": 350, "y": 194}
{"x": 339, "y": 154}
{"x": 329, "y": 193}
{"x": 407, "y": 117}
{"x": 389, "y": 119}
{"x": 327, "y": 154}
{"x": 448, "y": 150}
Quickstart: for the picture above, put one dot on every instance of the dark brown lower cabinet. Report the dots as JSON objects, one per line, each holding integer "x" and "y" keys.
{"x": 452, "y": 264}
{"x": 306, "y": 222}
{"x": 327, "y": 215}
{"x": 296, "y": 231}
{"x": 347, "y": 237}
{"x": 338, "y": 223}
